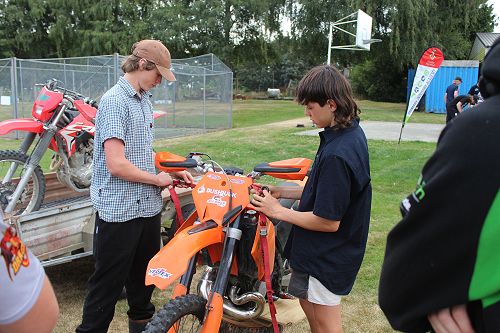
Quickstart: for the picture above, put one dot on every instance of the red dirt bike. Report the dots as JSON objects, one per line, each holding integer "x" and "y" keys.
{"x": 232, "y": 239}
{"x": 63, "y": 122}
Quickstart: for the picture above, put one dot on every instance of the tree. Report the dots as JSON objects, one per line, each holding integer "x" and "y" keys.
{"x": 310, "y": 26}
{"x": 409, "y": 27}
{"x": 246, "y": 34}
{"x": 24, "y": 29}
{"x": 109, "y": 26}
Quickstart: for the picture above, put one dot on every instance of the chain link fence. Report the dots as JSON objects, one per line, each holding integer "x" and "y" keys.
{"x": 199, "y": 101}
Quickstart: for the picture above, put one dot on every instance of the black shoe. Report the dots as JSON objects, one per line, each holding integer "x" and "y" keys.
{"x": 137, "y": 326}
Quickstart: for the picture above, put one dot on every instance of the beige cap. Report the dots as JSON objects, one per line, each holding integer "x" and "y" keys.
{"x": 155, "y": 52}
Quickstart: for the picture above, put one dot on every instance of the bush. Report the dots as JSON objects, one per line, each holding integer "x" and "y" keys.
{"x": 370, "y": 82}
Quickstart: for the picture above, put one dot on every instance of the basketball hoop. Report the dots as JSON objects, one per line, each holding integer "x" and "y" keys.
{"x": 362, "y": 25}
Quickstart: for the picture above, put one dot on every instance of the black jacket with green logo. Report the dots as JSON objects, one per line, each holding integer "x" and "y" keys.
{"x": 446, "y": 250}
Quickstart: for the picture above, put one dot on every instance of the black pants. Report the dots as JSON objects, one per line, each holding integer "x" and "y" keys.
{"x": 122, "y": 251}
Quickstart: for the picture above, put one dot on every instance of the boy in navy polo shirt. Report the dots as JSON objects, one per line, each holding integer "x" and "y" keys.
{"x": 330, "y": 227}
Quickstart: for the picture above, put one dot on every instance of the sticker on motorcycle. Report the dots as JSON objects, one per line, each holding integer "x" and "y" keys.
{"x": 220, "y": 193}
{"x": 159, "y": 272}
{"x": 216, "y": 200}
{"x": 214, "y": 177}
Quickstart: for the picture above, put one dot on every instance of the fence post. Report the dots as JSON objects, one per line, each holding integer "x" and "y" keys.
{"x": 204, "y": 100}
{"x": 174, "y": 87}
{"x": 231, "y": 102}
{"x": 116, "y": 68}
{"x": 20, "y": 91}
{"x": 13, "y": 89}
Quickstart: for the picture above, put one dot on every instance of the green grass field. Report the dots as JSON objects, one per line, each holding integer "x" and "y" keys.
{"x": 257, "y": 112}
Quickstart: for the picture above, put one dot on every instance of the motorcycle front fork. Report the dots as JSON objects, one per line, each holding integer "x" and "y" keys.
{"x": 29, "y": 167}
{"x": 233, "y": 235}
{"x": 28, "y": 140}
{"x": 34, "y": 159}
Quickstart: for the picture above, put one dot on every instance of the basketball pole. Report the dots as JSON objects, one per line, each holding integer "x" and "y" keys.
{"x": 328, "y": 62}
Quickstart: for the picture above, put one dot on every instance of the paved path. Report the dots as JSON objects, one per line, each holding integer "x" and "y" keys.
{"x": 382, "y": 130}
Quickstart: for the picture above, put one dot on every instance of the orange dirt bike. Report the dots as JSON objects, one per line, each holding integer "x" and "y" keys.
{"x": 232, "y": 239}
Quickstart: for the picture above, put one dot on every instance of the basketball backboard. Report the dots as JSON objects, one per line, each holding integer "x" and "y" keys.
{"x": 361, "y": 23}
{"x": 363, "y": 30}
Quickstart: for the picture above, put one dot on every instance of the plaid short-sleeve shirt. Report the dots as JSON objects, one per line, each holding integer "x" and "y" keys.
{"x": 128, "y": 116}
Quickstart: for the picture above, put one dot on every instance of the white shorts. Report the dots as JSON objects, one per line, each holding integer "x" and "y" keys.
{"x": 304, "y": 286}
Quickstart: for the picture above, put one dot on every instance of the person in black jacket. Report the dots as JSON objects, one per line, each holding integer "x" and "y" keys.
{"x": 456, "y": 106}
{"x": 442, "y": 261}
{"x": 330, "y": 227}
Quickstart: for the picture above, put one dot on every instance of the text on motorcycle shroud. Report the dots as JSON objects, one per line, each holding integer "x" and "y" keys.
{"x": 220, "y": 193}
{"x": 159, "y": 272}
{"x": 216, "y": 200}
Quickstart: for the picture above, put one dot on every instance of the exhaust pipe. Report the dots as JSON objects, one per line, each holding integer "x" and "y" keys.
{"x": 231, "y": 306}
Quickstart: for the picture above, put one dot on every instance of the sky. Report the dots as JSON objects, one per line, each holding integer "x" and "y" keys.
{"x": 496, "y": 11}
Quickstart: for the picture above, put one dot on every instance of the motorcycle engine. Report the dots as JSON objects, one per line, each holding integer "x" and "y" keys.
{"x": 80, "y": 163}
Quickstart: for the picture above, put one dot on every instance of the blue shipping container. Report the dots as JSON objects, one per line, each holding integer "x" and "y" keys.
{"x": 468, "y": 70}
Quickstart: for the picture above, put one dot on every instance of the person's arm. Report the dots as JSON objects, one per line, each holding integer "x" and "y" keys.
{"x": 455, "y": 93}
{"x": 286, "y": 192}
{"x": 271, "y": 207}
{"x": 445, "y": 97}
{"x": 120, "y": 167}
{"x": 459, "y": 107}
{"x": 471, "y": 91}
{"x": 41, "y": 318}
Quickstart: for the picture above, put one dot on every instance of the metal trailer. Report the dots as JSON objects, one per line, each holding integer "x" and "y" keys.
{"x": 62, "y": 230}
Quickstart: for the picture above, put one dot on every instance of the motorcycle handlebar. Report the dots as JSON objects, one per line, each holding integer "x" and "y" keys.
{"x": 56, "y": 85}
{"x": 90, "y": 102}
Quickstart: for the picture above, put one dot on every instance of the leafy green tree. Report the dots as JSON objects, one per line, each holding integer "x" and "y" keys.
{"x": 192, "y": 28}
{"x": 409, "y": 27}
{"x": 246, "y": 34}
{"x": 24, "y": 29}
{"x": 310, "y": 26}
{"x": 110, "y": 26}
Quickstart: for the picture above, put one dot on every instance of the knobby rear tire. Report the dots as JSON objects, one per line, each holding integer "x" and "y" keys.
{"x": 186, "y": 309}
{"x": 37, "y": 181}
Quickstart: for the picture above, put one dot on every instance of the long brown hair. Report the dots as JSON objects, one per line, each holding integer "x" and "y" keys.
{"x": 323, "y": 83}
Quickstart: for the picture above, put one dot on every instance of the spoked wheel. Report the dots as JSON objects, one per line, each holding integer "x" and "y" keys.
{"x": 182, "y": 314}
{"x": 12, "y": 164}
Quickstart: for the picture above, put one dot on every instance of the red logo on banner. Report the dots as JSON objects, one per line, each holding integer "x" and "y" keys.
{"x": 432, "y": 57}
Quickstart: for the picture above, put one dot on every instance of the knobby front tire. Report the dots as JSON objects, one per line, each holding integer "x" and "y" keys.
{"x": 32, "y": 196}
{"x": 186, "y": 311}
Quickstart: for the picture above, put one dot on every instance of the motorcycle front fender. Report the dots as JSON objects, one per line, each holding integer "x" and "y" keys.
{"x": 172, "y": 260}
{"x": 21, "y": 124}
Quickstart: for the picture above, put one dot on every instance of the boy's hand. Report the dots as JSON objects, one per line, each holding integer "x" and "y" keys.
{"x": 273, "y": 190}
{"x": 267, "y": 204}
{"x": 184, "y": 175}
